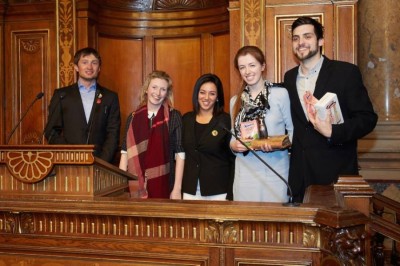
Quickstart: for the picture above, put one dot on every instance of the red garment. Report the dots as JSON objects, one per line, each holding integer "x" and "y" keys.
{"x": 148, "y": 152}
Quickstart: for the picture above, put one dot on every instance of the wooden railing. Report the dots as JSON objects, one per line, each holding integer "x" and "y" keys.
{"x": 384, "y": 224}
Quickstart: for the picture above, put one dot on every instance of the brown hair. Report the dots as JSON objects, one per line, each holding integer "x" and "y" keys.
{"x": 259, "y": 56}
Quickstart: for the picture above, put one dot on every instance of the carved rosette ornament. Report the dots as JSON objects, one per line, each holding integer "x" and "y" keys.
{"x": 29, "y": 167}
{"x": 221, "y": 232}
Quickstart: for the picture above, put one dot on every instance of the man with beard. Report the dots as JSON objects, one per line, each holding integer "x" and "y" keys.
{"x": 85, "y": 112}
{"x": 321, "y": 150}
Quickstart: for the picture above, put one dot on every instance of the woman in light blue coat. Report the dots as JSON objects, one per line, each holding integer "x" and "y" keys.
{"x": 268, "y": 104}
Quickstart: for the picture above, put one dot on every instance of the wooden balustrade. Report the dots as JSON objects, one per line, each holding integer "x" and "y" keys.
{"x": 384, "y": 223}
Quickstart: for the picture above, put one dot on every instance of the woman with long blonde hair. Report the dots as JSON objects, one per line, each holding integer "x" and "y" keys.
{"x": 152, "y": 148}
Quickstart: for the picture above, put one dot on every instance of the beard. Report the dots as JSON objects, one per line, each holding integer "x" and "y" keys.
{"x": 302, "y": 56}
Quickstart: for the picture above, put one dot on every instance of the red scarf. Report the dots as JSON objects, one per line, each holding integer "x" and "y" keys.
{"x": 148, "y": 152}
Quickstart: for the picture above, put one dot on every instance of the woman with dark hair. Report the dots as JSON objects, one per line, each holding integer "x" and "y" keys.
{"x": 208, "y": 171}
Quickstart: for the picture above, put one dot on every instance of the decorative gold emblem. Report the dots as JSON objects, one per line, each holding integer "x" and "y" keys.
{"x": 214, "y": 133}
{"x": 29, "y": 166}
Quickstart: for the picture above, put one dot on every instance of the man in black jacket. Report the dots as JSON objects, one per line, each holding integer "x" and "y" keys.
{"x": 85, "y": 112}
{"x": 321, "y": 150}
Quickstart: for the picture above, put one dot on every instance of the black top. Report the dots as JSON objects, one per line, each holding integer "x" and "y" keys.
{"x": 208, "y": 158}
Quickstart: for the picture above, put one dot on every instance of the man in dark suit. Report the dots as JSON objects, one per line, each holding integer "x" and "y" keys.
{"x": 321, "y": 150}
{"x": 85, "y": 112}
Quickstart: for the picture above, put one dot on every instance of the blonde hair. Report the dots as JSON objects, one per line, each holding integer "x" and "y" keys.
{"x": 153, "y": 75}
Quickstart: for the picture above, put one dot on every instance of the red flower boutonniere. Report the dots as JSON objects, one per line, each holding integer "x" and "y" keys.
{"x": 99, "y": 98}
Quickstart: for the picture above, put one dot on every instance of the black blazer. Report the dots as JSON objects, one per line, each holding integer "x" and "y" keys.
{"x": 208, "y": 158}
{"x": 314, "y": 158}
{"x": 67, "y": 122}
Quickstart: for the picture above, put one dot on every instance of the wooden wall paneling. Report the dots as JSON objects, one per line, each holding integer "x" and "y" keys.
{"x": 279, "y": 18}
{"x": 345, "y": 32}
{"x": 31, "y": 70}
{"x": 216, "y": 61}
{"x": 181, "y": 59}
{"x": 179, "y": 41}
{"x": 86, "y": 24}
{"x": 148, "y": 53}
{"x": 206, "y": 53}
{"x": 272, "y": 257}
{"x": 221, "y": 63}
{"x": 122, "y": 71}
{"x": 28, "y": 46}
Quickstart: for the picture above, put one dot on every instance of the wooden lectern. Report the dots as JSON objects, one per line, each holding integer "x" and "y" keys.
{"x": 58, "y": 171}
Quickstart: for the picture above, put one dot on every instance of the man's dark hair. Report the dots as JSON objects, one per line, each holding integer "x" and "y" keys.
{"x": 318, "y": 28}
{"x": 84, "y": 52}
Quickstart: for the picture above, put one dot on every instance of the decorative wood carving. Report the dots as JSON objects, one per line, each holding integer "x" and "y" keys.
{"x": 30, "y": 45}
{"x": 253, "y": 26}
{"x": 345, "y": 244}
{"x": 29, "y": 166}
{"x": 311, "y": 237}
{"x": 221, "y": 232}
{"x": 66, "y": 39}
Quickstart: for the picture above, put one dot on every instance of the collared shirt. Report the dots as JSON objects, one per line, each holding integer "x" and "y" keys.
{"x": 87, "y": 96}
{"x": 307, "y": 82}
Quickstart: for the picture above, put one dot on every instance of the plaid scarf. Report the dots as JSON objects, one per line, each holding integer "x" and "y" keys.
{"x": 148, "y": 152}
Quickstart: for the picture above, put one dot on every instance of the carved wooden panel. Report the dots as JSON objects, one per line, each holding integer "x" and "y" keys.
{"x": 345, "y": 32}
{"x": 158, "y": 232}
{"x": 29, "y": 67}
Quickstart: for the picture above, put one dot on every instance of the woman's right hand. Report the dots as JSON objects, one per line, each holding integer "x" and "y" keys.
{"x": 236, "y": 146}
